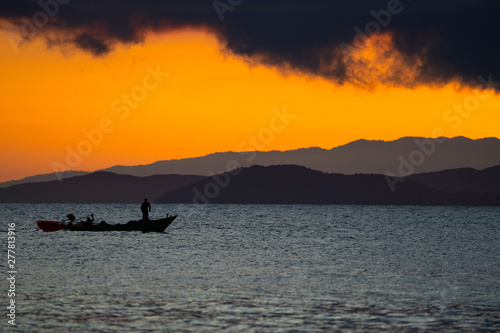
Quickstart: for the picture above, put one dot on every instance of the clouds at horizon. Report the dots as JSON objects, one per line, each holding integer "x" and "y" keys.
{"x": 402, "y": 43}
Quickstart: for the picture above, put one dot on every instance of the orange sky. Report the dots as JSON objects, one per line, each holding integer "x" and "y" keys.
{"x": 209, "y": 102}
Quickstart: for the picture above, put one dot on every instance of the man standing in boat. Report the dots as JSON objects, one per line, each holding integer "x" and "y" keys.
{"x": 145, "y": 208}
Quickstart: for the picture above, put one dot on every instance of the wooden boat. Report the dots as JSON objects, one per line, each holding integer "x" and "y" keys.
{"x": 144, "y": 226}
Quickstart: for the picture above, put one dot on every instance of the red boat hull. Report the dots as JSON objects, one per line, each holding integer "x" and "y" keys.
{"x": 50, "y": 226}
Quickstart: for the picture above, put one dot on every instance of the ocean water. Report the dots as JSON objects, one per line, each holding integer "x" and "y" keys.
{"x": 257, "y": 268}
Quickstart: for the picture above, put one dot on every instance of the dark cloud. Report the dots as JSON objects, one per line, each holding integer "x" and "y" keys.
{"x": 435, "y": 41}
{"x": 89, "y": 43}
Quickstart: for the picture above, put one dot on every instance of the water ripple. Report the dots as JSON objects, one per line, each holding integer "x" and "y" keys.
{"x": 264, "y": 268}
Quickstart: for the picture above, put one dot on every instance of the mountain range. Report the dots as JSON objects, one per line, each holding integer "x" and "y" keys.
{"x": 290, "y": 184}
{"x": 97, "y": 187}
{"x": 283, "y": 184}
{"x": 402, "y": 157}
{"x": 362, "y": 156}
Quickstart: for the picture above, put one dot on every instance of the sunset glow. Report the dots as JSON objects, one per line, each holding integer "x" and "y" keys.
{"x": 180, "y": 94}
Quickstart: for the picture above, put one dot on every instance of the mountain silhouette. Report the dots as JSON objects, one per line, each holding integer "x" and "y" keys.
{"x": 283, "y": 184}
{"x": 462, "y": 180}
{"x": 45, "y": 178}
{"x": 97, "y": 187}
{"x": 402, "y": 157}
{"x": 362, "y": 156}
{"x": 298, "y": 185}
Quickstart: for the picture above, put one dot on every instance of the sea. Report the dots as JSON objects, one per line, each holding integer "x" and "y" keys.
{"x": 254, "y": 268}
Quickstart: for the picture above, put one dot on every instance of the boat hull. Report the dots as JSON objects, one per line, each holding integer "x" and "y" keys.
{"x": 50, "y": 226}
{"x": 144, "y": 226}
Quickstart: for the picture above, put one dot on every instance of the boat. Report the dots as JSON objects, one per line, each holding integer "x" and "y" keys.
{"x": 145, "y": 226}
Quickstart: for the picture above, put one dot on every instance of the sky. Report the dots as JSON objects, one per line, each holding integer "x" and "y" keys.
{"x": 86, "y": 85}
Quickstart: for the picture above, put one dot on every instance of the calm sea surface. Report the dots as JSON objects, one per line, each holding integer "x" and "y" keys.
{"x": 261, "y": 268}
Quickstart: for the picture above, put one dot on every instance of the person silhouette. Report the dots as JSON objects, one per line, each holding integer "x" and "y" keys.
{"x": 88, "y": 222}
{"x": 145, "y": 208}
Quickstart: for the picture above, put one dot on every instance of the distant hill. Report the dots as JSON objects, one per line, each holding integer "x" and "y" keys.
{"x": 362, "y": 156}
{"x": 98, "y": 187}
{"x": 298, "y": 185}
{"x": 44, "y": 178}
{"x": 284, "y": 184}
{"x": 461, "y": 180}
